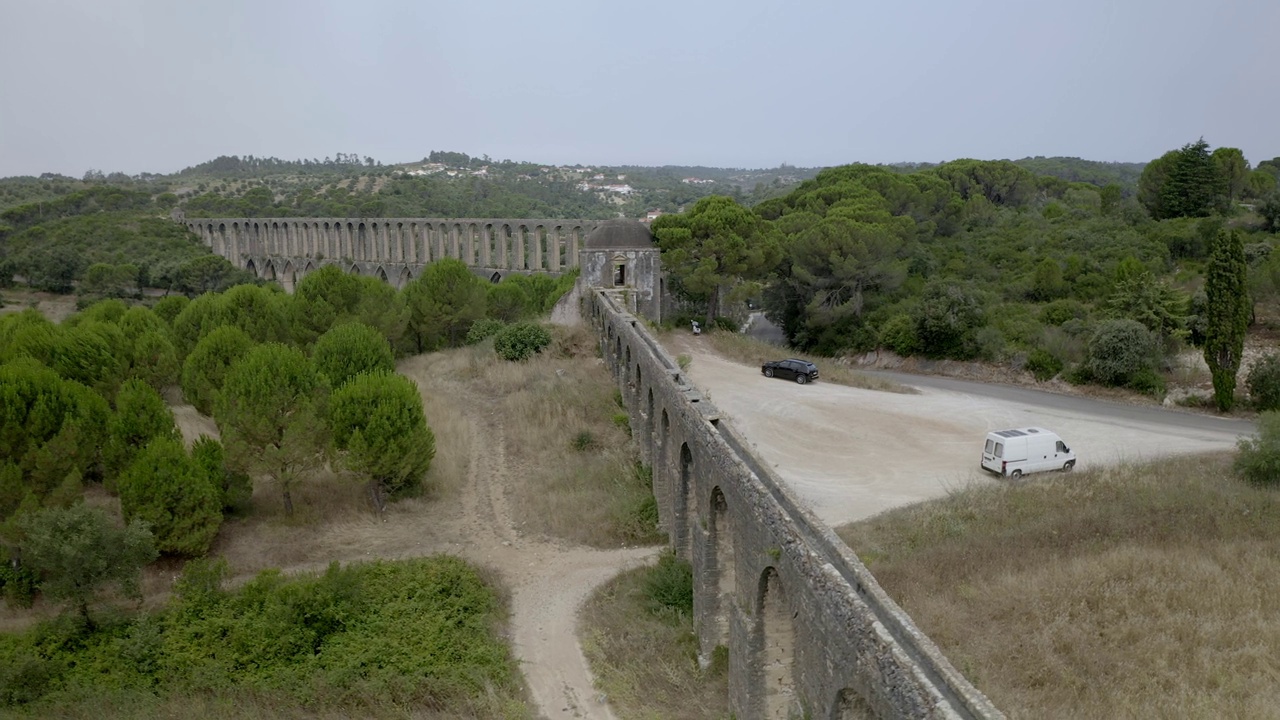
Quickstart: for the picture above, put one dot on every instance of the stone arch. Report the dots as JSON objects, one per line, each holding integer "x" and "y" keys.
{"x": 617, "y": 357}
{"x": 404, "y": 278}
{"x": 724, "y": 563}
{"x": 496, "y": 277}
{"x": 361, "y": 251}
{"x": 661, "y": 473}
{"x": 850, "y": 705}
{"x": 308, "y": 268}
{"x": 777, "y": 649}
{"x": 250, "y": 267}
{"x": 350, "y": 237}
{"x": 354, "y": 269}
{"x": 289, "y": 277}
{"x": 685, "y": 511}
{"x": 269, "y": 270}
{"x": 382, "y": 274}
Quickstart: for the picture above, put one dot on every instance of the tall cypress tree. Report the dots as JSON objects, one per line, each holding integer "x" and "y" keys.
{"x": 1227, "y": 315}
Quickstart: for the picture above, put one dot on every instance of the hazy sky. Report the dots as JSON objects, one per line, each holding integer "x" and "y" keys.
{"x": 158, "y": 85}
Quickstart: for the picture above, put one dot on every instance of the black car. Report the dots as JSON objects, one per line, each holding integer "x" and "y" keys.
{"x": 802, "y": 371}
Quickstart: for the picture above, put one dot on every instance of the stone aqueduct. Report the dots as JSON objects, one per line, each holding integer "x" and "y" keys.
{"x": 395, "y": 249}
{"x": 808, "y": 630}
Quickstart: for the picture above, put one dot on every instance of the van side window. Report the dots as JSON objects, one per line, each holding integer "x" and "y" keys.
{"x": 989, "y": 444}
{"x": 999, "y": 450}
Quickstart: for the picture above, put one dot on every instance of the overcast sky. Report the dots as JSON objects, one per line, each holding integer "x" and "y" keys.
{"x": 159, "y": 85}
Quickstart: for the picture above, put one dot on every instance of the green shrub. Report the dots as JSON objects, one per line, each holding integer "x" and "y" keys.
{"x": 669, "y": 587}
{"x": 521, "y": 341}
{"x": 1259, "y": 458}
{"x": 899, "y": 335}
{"x": 1263, "y": 382}
{"x": 1043, "y": 365}
{"x": 1060, "y": 311}
{"x": 484, "y": 329}
{"x": 725, "y": 323}
{"x": 584, "y": 441}
{"x": 1121, "y": 349}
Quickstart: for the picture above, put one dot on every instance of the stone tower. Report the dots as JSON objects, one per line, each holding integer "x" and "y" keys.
{"x": 620, "y": 257}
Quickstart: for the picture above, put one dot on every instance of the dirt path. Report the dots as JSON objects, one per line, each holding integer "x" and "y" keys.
{"x": 548, "y": 579}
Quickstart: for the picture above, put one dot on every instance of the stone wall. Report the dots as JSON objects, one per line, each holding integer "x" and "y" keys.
{"x": 808, "y": 631}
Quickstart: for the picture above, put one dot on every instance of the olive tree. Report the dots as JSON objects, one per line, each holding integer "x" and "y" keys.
{"x": 77, "y": 551}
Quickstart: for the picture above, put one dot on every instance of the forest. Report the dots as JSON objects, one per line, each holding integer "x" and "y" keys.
{"x": 986, "y": 260}
{"x": 295, "y": 383}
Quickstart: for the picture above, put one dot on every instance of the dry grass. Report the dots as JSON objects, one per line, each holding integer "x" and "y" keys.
{"x": 1132, "y": 592}
{"x": 746, "y": 349}
{"x": 646, "y": 664}
{"x": 555, "y": 412}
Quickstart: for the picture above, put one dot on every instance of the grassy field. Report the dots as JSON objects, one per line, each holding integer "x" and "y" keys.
{"x": 644, "y": 653}
{"x": 1132, "y": 592}
{"x": 558, "y": 413}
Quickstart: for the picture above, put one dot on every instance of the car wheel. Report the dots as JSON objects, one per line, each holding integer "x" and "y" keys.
{"x": 768, "y": 372}
{"x": 1016, "y": 474}
{"x": 802, "y": 379}
{"x": 1069, "y": 464}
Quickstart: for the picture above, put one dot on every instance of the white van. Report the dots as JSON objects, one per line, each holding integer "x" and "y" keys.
{"x": 1018, "y": 451}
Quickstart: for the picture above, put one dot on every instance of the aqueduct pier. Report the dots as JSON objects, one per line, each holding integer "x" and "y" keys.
{"x": 808, "y": 630}
{"x": 395, "y": 249}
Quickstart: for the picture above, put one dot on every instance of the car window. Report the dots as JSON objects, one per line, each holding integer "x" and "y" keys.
{"x": 1062, "y": 447}
{"x": 989, "y": 446}
{"x": 999, "y": 450}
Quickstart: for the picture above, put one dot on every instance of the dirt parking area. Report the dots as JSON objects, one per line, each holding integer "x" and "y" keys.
{"x": 852, "y": 453}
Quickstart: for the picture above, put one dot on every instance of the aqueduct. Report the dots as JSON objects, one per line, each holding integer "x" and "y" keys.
{"x": 395, "y": 249}
{"x": 809, "y": 632}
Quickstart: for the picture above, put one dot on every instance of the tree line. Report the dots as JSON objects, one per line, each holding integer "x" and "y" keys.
{"x": 295, "y": 383}
{"x": 987, "y": 260}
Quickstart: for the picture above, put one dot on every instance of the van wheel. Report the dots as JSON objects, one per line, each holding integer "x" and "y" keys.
{"x": 1069, "y": 464}
{"x": 802, "y": 379}
{"x": 1016, "y": 474}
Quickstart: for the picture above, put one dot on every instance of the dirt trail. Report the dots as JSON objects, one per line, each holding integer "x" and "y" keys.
{"x": 549, "y": 579}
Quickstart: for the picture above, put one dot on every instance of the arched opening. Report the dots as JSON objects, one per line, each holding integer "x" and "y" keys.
{"x": 269, "y": 271}
{"x": 362, "y": 244}
{"x": 405, "y": 278}
{"x": 617, "y": 354}
{"x": 382, "y": 273}
{"x": 354, "y": 269}
{"x": 685, "y": 512}
{"x": 289, "y": 278}
{"x": 849, "y": 705}
{"x": 725, "y": 567}
{"x": 250, "y": 267}
{"x": 779, "y": 650}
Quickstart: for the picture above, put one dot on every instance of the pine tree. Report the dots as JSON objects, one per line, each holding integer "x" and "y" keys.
{"x": 1227, "y": 313}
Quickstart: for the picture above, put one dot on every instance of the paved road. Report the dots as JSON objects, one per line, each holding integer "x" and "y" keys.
{"x": 852, "y": 453}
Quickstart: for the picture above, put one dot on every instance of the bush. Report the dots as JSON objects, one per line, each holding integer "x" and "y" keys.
{"x": 899, "y": 335}
{"x": 669, "y": 587}
{"x": 1263, "y": 382}
{"x": 206, "y": 367}
{"x": 521, "y": 341}
{"x": 725, "y": 323}
{"x": 1043, "y": 365}
{"x": 1121, "y": 349}
{"x": 483, "y": 330}
{"x": 1060, "y": 311}
{"x": 1259, "y": 457}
